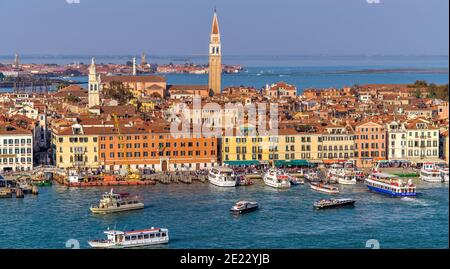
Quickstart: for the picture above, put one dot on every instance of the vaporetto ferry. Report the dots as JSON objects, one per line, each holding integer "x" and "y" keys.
{"x": 390, "y": 185}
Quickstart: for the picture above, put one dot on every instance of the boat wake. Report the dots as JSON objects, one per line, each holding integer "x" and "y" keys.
{"x": 415, "y": 201}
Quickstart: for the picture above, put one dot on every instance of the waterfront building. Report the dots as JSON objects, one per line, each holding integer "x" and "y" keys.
{"x": 16, "y": 148}
{"x": 76, "y": 147}
{"x": 215, "y": 58}
{"x": 336, "y": 144}
{"x": 153, "y": 147}
{"x": 94, "y": 86}
{"x": 416, "y": 141}
{"x": 370, "y": 143}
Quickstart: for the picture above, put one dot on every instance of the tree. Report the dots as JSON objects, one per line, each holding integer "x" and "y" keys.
{"x": 62, "y": 85}
{"x": 118, "y": 91}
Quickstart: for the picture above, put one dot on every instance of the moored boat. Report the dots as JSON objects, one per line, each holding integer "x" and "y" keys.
{"x": 296, "y": 181}
{"x": 277, "y": 179}
{"x": 222, "y": 177}
{"x": 242, "y": 207}
{"x": 132, "y": 239}
{"x": 5, "y": 193}
{"x": 430, "y": 173}
{"x": 444, "y": 174}
{"x": 389, "y": 184}
{"x": 333, "y": 203}
{"x": 116, "y": 202}
{"x": 326, "y": 188}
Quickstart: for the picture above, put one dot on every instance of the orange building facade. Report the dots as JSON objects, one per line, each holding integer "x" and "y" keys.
{"x": 370, "y": 144}
{"x": 140, "y": 148}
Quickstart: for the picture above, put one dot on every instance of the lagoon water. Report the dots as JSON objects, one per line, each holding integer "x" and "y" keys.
{"x": 198, "y": 216}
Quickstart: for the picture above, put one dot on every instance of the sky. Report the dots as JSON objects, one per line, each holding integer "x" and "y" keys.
{"x": 248, "y": 27}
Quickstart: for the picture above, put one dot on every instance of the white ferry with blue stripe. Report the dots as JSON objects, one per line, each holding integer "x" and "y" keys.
{"x": 390, "y": 185}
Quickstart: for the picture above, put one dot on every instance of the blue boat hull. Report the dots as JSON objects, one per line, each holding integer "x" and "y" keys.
{"x": 391, "y": 193}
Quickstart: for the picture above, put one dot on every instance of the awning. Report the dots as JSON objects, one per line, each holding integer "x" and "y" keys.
{"x": 291, "y": 162}
{"x": 243, "y": 162}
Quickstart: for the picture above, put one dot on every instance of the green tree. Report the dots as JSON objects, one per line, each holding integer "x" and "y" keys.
{"x": 118, "y": 91}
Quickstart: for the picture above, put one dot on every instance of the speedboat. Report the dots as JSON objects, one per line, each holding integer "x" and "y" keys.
{"x": 116, "y": 202}
{"x": 430, "y": 173}
{"x": 242, "y": 207}
{"x": 277, "y": 179}
{"x": 389, "y": 184}
{"x": 326, "y": 188}
{"x": 333, "y": 203}
{"x": 222, "y": 177}
{"x": 132, "y": 239}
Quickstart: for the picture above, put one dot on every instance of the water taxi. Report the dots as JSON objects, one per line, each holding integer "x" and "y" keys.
{"x": 132, "y": 239}
{"x": 333, "y": 203}
{"x": 430, "y": 173}
{"x": 389, "y": 184}
{"x": 326, "y": 188}
{"x": 277, "y": 179}
{"x": 222, "y": 177}
{"x": 244, "y": 207}
{"x": 116, "y": 202}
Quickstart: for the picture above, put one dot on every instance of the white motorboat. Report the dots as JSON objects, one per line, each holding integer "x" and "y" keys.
{"x": 222, "y": 177}
{"x": 132, "y": 239}
{"x": 277, "y": 179}
{"x": 244, "y": 207}
{"x": 430, "y": 173}
{"x": 326, "y": 188}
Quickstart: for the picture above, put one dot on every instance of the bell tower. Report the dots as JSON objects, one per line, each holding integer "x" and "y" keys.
{"x": 215, "y": 58}
{"x": 94, "y": 86}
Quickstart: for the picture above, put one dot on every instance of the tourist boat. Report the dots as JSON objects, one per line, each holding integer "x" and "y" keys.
{"x": 342, "y": 175}
{"x": 116, "y": 202}
{"x": 242, "y": 207}
{"x": 430, "y": 173}
{"x": 389, "y": 184}
{"x": 326, "y": 188}
{"x": 333, "y": 203}
{"x": 132, "y": 239}
{"x": 73, "y": 177}
{"x": 222, "y": 177}
{"x": 312, "y": 176}
{"x": 277, "y": 179}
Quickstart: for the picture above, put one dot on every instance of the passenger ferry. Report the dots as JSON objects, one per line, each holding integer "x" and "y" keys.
{"x": 430, "y": 173}
{"x": 277, "y": 179}
{"x": 326, "y": 188}
{"x": 390, "y": 185}
{"x": 223, "y": 177}
{"x": 116, "y": 202}
{"x": 132, "y": 239}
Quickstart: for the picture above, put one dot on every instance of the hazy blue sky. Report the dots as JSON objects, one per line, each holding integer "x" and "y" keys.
{"x": 181, "y": 27}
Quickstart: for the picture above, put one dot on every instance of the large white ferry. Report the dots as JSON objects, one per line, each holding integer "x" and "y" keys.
{"x": 430, "y": 173}
{"x": 222, "y": 177}
{"x": 277, "y": 179}
{"x": 131, "y": 239}
{"x": 389, "y": 184}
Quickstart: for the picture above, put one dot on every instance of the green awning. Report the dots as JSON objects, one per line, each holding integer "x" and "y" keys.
{"x": 237, "y": 163}
{"x": 291, "y": 162}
